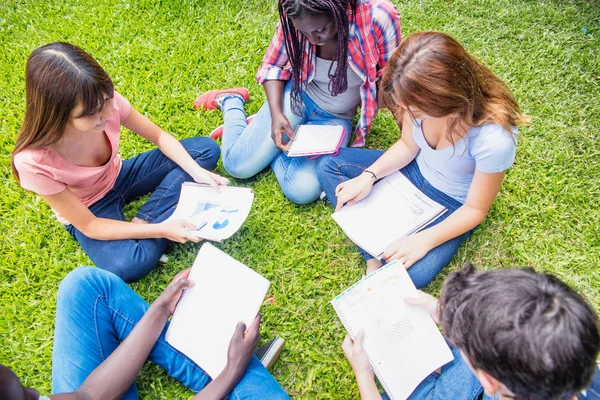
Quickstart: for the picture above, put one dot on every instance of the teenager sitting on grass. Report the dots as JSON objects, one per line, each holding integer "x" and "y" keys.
{"x": 67, "y": 149}
{"x": 516, "y": 334}
{"x": 323, "y": 62}
{"x": 105, "y": 333}
{"x": 458, "y": 139}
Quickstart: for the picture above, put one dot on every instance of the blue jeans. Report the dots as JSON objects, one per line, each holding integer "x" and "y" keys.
{"x": 152, "y": 171}
{"x": 248, "y": 149}
{"x": 96, "y": 311}
{"x": 456, "y": 381}
{"x": 593, "y": 390}
{"x": 350, "y": 163}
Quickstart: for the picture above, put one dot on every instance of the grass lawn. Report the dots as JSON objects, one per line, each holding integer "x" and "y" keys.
{"x": 162, "y": 54}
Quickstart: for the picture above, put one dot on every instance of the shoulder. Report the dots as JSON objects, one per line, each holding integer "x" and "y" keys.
{"x": 26, "y": 159}
{"x": 38, "y": 171}
{"x": 381, "y": 10}
{"x": 123, "y": 106}
{"x": 493, "y": 148}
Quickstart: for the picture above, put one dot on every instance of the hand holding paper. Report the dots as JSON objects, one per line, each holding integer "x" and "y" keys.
{"x": 242, "y": 346}
{"x": 355, "y": 353}
{"x": 180, "y": 231}
{"x": 408, "y": 250}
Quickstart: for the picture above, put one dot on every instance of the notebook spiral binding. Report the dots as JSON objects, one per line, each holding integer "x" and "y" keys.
{"x": 175, "y": 312}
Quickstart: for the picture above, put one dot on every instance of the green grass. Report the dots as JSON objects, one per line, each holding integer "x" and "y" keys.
{"x": 161, "y": 54}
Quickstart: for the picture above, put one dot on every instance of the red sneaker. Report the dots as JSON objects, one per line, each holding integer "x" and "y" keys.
{"x": 218, "y": 131}
{"x": 207, "y": 99}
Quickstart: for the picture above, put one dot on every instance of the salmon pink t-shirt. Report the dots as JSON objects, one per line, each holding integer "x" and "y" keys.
{"x": 46, "y": 172}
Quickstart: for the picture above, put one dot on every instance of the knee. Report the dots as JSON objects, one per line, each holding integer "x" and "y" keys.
{"x": 204, "y": 150}
{"x": 302, "y": 191}
{"x": 236, "y": 168}
{"x": 81, "y": 279}
{"x": 326, "y": 165}
{"x": 142, "y": 257}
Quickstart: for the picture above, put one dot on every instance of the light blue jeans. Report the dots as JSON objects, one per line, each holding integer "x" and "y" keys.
{"x": 96, "y": 311}
{"x": 350, "y": 163}
{"x": 248, "y": 148}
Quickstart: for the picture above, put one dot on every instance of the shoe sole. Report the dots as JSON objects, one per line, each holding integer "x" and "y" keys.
{"x": 272, "y": 354}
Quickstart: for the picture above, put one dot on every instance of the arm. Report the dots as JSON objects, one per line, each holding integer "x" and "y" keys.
{"x": 70, "y": 207}
{"x": 171, "y": 148}
{"x": 112, "y": 378}
{"x": 273, "y": 74}
{"x": 396, "y": 157}
{"x": 279, "y": 122}
{"x": 483, "y": 191}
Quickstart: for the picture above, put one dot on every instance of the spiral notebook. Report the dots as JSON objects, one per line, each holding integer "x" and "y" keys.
{"x": 402, "y": 342}
{"x": 314, "y": 140}
{"x": 225, "y": 293}
{"x": 395, "y": 208}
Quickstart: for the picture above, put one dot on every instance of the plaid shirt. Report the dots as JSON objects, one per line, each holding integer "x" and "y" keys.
{"x": 374, "y": 35}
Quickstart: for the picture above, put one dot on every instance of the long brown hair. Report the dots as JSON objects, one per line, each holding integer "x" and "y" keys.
{"x": 432, "y": 72}
{"x": 59, "y": 76}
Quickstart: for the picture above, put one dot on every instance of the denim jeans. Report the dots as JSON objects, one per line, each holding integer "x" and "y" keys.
{"x": 456, "y": 382}
{"x": 350, "y": 162}
{"x": 248, "y": 148}
{"x": 96, "y": 311}
{"x": 152, "y": 171}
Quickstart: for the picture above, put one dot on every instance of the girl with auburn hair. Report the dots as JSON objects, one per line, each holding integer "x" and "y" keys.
{"x": 323, "y": 62}
{"x": 66, "y": 152}
{"x": 458, "y": 139}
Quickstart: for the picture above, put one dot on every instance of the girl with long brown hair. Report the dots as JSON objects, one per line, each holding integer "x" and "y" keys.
{"x": 66, "y": 152}
{"x": 324, "y": 61}
{"x": 458, "y": 139}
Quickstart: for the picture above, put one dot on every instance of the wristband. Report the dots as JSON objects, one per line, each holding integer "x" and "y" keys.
{"x": 371, "y": 172}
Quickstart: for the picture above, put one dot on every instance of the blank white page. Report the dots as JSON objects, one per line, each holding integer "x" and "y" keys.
{"x": 316, "y": 139}
{"x": 226, "y": 292}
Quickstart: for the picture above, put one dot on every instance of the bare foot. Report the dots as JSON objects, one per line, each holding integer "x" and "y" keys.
{"x": 137, "y": 220}
{"x": 373, "y": 265}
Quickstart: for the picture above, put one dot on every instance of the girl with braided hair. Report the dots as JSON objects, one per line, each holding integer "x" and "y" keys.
{"x": 323, "y": 62}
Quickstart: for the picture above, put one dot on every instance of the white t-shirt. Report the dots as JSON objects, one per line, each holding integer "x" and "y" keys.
{"x": 488, "y": 148}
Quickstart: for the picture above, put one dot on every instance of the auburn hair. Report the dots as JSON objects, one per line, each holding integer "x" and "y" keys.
{"x": 58, "y": 77}
{"x": 433, "y": 73}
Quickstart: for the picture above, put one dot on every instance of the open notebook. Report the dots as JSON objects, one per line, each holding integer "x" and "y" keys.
{"x": 403, "y": 343}
{"x": 312, "y": 140}
{"x": 395, "y": 208}
{"x": 225, "y": 293}
{"x": 217, "y": 213}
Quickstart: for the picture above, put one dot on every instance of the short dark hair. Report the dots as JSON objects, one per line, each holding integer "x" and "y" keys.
{"x": 530, "y": 331}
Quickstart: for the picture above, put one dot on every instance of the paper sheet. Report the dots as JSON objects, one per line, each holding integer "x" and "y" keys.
{"x": 225, "y": 292}
{"x": 218, "y": 214}
{"x": 401, "y": 340}
{"x": 394, "y": 208}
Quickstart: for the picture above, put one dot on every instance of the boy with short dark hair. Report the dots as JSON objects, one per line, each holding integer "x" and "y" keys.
{"x": 516, "y": 334}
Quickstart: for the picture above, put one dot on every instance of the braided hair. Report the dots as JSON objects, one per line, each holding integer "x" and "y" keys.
{"x": 295, "y": 43}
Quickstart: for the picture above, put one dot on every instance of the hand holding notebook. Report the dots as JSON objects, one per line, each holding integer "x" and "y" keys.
{"x": 314, "y": 140}
{"x": 207, "y": 315}
{"x": 401, "y": 340}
